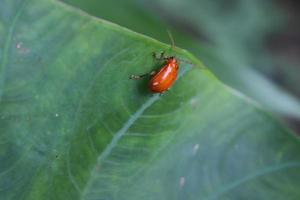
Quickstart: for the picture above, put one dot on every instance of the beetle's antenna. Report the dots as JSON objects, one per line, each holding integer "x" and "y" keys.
{"x": 173, "y": 48}
{"x": 172, "y": 40}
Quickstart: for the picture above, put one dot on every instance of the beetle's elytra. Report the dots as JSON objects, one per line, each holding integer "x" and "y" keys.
{"x": 165, "y": 77}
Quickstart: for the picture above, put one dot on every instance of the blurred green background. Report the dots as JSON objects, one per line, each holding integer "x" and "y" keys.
{"x": 252, "y": 46}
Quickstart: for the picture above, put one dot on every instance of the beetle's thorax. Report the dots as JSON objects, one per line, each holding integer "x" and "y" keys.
{"x": 171, "y": 61}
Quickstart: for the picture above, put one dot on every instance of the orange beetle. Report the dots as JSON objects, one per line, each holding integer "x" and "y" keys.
{"x": 166, "y": 76}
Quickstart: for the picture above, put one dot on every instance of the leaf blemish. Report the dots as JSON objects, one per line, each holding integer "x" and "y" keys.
{"x": 21, "y": 49}
{"x": 19, "y": 44}
{"x": 181, "y": 182}
{"x": 195, "y": 148}
{"x": 193, "y": 102}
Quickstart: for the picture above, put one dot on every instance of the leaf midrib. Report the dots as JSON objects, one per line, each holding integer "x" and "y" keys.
{"x": 132, "y": 119}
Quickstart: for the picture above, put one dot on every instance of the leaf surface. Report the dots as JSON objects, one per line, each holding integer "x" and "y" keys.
{"x": 73, "y": 126}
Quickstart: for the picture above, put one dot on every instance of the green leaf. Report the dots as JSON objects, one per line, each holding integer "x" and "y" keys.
{"x": 231, "y": 39}
{"x": 73, "y": 126}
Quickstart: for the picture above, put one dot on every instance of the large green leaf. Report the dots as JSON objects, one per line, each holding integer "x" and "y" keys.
{"x": 73, "y": 126}
{"x": 235, "y": 31}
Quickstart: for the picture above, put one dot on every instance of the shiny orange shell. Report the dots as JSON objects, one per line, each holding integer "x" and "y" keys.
{"x": 165, "y": 78}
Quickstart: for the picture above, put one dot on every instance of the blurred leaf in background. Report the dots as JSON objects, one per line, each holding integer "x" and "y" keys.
{"x": 229, "y": 36}
{"x": 285, "y": 45}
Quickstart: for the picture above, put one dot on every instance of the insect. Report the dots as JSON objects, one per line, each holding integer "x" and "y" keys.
{"x": 162, "y": 80}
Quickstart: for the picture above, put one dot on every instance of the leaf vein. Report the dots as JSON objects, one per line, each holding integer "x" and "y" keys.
{"x": 252, "y": 176}
{"x": 6, "y": 47}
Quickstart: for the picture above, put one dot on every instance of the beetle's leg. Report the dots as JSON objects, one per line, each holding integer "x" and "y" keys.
{"x": 160, "y": 57}
{"x": 154, "y": 56}
{"x": 152, "y": 73}
{"x": 167, "y": 90}
{"x": 160, "y": 94}
{"x": 135, "y": 77}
